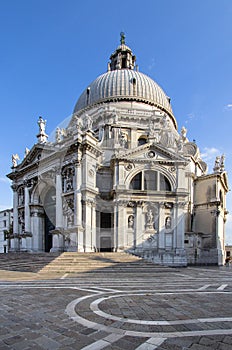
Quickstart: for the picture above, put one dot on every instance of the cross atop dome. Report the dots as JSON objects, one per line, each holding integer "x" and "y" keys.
{"x": 123, "y": 57}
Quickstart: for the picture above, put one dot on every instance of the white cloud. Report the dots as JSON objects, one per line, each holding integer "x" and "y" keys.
{"x": 5, "y": 180}
{"x": 228, "y": 107}
{"x": 152, "y": 64}
{"x": 190, "y": 117}
{"x": 209, "y": 154}
{"x": 4, "y": 207}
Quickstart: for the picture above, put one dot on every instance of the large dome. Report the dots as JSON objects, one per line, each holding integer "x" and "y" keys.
{"x": 124, "y": 84}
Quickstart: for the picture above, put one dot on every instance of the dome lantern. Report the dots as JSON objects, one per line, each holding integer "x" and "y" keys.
{"x": 123, "y": 57}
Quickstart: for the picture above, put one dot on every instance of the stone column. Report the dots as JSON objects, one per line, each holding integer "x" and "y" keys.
{"x": 57, "y": 239}
{"x": 122, "y": 227}
{"x": 78, "y": 207}
{"x": 139, "y": 229}
{"x": 37, "y": 226}
{"x": 94, "y": 235}
{"x": 77, "y": 196}
{"x": 115, "y": 226}
{"x": 161, "y": 226}
{"x": 15, "y": 241}
{"x": 88, "y": 219}
{"x": 27, "y": 215}
{"x": 180, "y": 225}
{"x": 59, "y": 209}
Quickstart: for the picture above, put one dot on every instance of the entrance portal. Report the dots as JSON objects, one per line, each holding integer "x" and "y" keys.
{"x": 50, "y": 218}
{"x": 106, "y": 231}
{"x": 105, "y": 244}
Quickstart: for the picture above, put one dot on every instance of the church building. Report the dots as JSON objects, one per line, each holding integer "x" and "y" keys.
{"x": 120, "y": 177}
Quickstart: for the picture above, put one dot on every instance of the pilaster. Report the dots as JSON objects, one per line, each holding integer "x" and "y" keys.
{"x": 139, "y": 224}
{"x": 15, "y": 241}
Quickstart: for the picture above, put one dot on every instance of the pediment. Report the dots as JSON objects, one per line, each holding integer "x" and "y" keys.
{"x": 34, "y": 155}
{"x": 150, "y": 152}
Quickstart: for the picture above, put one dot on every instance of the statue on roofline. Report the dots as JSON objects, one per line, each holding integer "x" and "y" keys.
{"x": 15, "y": 158}
{"x": 42, "y": 123}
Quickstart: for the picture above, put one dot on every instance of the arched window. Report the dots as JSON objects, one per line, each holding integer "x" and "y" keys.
{"x": 149, "y": 180}
{"x": 164, "y": 183}
{"x": 141, "y": 141}
{"x": 136, "y": 183}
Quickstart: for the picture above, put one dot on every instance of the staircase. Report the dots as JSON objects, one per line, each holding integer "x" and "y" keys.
{"x": 25, "y": 262}
{"x": 96, "y": 263}
{"x": 26, "y": 266}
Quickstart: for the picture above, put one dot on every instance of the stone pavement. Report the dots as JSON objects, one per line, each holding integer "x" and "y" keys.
{"x": 170, "y": 308}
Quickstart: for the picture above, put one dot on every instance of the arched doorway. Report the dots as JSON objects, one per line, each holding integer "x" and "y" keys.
{"x": 50, "y": 218}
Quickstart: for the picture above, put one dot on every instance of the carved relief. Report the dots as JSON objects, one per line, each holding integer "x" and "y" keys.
{"x": 68, "y": 210}
{"x": 67, "y": 179}
{"x": 21, "y": 196}
{"x": 21, "y": 220}
{"x": 151, "y": 154}
{"x": 129, "y": 166}
{"x": 190, "y": 148}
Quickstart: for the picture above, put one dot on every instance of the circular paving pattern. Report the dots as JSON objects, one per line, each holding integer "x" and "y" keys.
{"x": 153, "y": 314}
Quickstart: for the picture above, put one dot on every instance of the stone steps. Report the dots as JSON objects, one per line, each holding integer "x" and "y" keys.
{"x": 97, "y": 263}
{"x": 54, "y": 265}
{"x": 25, "y": 262}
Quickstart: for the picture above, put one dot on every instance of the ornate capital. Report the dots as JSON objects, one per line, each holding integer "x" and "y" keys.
{"x": 14, "y": 187}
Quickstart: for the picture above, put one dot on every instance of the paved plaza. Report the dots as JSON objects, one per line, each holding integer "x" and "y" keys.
{"x": 162, "y": 308}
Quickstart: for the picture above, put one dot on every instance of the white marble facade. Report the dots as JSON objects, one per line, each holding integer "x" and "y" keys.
{"x": 120, "y": 177}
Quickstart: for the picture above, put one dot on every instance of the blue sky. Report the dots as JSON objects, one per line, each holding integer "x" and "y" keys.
{"x": 52, "y": 49}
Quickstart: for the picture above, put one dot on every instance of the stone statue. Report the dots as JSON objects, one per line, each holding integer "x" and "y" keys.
{"x": 150, "y": 217}
{"x": 101, "y": 133}
{"x": 27, "y": 151}
{"x": 78, "y": 121}
{"x": 64, "y": 132}
{"x": 58, "y": 134}
{"x": 217, "y": 164}
{"x": 180, "y": 143}
{"x": 222, "y": 163}
{"x": 68, "y": 211}
{"x": 42, "y": 123}
{"x": 168, "y": 222}
{"x": 183, "y": 133}
{"x": 131, "y": 221}
{"x": 122, "y": 40}
{"x": 15, "y": 159}
{"x": 123, "y": 140}
{"x": 88, "y": 122}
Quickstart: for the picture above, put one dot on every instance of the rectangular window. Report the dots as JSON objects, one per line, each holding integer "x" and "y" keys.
{"x": 105, "y": 220}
